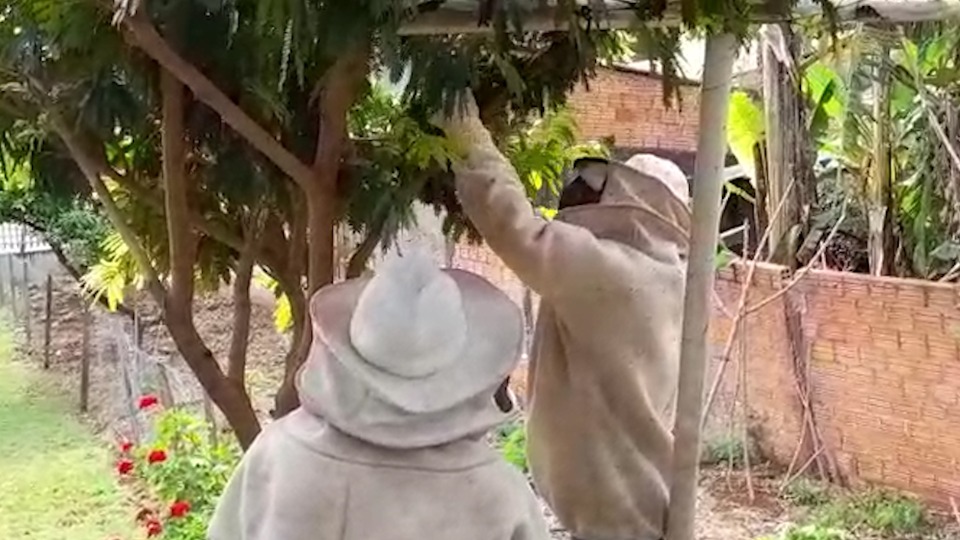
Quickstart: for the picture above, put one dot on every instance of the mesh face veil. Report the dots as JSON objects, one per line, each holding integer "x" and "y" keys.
{"x": 592, "y": 171}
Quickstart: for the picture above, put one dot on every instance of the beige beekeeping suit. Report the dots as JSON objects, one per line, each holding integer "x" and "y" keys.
{"x": 397, "y": 395}
{"x": 604, "y": 365}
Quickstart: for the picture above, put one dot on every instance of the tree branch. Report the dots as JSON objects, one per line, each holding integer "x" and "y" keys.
{"x": 358, "y": 261}
{"x": 183, "y": 242}
{"x": 240, "y": 338}
{"x": 91, "y": 169}
{"x": 230, "y": 397}
{"x": 803, "y": 271}
{"x": 75, "y": 273}
{"x": 145, "y": 36}
{"x": 340, "y": 87}
{"x": 297, "y": 249}
{"x": 78, "y": 277}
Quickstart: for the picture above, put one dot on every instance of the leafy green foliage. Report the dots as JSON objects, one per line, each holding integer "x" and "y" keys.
{"x": 893, "y": 515}
{"x": 745, "y": 130}
{"x": 806, "y": 492}
{"x": 810, "y": 532}
{"x": 511, "y": 439}
{"x": 723, "y": 258}
{"x": 859, "y": 515}
{"x": 723, "y": 449}
{"x": 195, "y": 471}
{"x": 840, "y": 90}
{"x": 544, "y": 151}
{"x": 109, "y": 277}
{"x": 282, "y": 316}
{"x": 400, "y": 156}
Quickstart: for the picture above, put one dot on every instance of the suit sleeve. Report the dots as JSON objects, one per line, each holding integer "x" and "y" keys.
{"x": 544, "y": 254}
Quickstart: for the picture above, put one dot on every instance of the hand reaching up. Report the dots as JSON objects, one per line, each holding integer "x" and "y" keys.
{"x": 463, "y": 123}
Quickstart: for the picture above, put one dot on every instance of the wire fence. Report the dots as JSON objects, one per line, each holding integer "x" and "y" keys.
{"x": 17, "y": 238}
{"x": 138, "y": 372}
{"x": 102, "y": 356}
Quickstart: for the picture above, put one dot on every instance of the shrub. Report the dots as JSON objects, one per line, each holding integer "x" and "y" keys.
{"x": 723, "y": 449}
{"x": 511, "y": 439}
{"x": 183, "y": 470}
{"x": 892, "y": 515}
{"x": 806, "y": 492}
{"x": 810, "y": 532}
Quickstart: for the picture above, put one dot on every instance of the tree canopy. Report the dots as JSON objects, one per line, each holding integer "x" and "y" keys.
{"x": 219, "y": 136}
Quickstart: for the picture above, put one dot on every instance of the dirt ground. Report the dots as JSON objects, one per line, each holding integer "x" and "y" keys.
{"x": 720, "y": 516}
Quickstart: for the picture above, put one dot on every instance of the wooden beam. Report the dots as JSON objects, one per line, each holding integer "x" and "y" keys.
{"x": 451, "y": 21}
{"x": 442, "y": 22}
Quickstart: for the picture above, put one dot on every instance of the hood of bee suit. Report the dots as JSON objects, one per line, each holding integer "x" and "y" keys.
{"x": 412, "y": 356}
{"x": 644, "y": 204}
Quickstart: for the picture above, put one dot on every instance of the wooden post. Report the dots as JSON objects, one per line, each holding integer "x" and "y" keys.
{"x": 3, "y": 291}
{"x": 166, "y": 389}
{"x": 788, "y": 165}
{"x": 13, "y": 286}
{"x": 47, "y": 321}
{"x": 24, "y": 266}
{"x": 84, "y": 357}
{"x": 134, "y": 413}
{"x": 707, "y": 188}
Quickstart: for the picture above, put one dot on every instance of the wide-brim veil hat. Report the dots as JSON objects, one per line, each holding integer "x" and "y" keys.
{"x": 419, "y": 338}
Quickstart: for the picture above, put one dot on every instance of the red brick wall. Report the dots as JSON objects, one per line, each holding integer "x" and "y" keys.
{"x": 628, "y": 106}
{"x": 884, "y": 370}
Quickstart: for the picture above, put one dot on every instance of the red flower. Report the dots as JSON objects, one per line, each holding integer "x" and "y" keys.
{"x": 148, "y": 401}
{"x": 154, "y": 528}
{"x": 124, "y": 466}
{"x": 179, "y": 509}
{"x": 126, "y": 446}
{"x": 156, "y": 456}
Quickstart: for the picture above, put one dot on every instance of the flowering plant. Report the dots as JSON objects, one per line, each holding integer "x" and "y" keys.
{"x": 184, "y": 468}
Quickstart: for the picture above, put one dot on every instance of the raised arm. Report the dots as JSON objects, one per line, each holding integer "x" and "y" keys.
{"x": 542, "y": 253}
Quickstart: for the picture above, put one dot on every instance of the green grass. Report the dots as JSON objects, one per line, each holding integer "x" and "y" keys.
{"x": 806, "y": 492}
{"x": 56, "y": 478}
{"x": 890, "y": 514}
{"x": 722, "y": 450}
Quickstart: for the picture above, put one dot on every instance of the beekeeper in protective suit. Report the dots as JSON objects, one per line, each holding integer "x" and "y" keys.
{"x": 610, "y": 272}
{"x": 397, "y": 394}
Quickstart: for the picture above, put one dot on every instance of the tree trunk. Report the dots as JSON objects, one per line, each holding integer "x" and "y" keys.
{"x": 230, "y": 396}
{"x": 322, "y": 221}
{"x": 760, "y": 216}
{"x": 240, "y": 337}
{"x": 342, "y": 84}
{"x": 880, "y": 245}
{"x": 707, "y": 188}
{"x": 357, "y": 264}
{"x": 787, "y": 157}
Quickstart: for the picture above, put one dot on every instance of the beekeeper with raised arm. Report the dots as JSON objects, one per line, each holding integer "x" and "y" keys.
{"x": 610, "y": 272}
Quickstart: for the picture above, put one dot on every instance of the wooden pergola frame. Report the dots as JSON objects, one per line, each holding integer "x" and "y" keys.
{"x": 707, "y": 189}
{"x": 547, "y": 19}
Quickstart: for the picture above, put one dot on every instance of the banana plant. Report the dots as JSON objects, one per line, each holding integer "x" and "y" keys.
{"x": 884, "y": 111}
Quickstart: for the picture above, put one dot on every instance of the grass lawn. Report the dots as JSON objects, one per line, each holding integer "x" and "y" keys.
{"x": 56, "y": 478}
